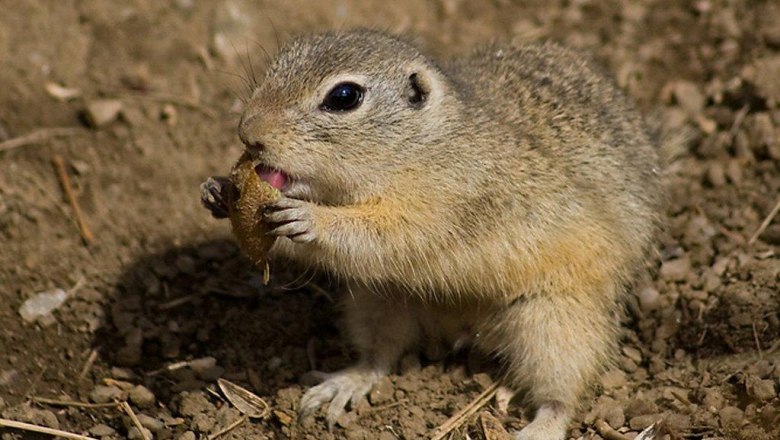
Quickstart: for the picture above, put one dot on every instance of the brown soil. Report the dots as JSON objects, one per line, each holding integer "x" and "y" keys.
{"x": 164, "y": 283}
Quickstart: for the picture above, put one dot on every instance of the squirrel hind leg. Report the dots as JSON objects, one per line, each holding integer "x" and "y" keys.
{"x": 555, "y": 346}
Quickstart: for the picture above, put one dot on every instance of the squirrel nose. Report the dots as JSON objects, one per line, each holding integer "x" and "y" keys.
{"x": 251, "y": 141}
{"x": 254, "y": 147}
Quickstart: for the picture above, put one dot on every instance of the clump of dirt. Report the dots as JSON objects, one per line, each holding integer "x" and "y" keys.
{"x": 162, "y": 303}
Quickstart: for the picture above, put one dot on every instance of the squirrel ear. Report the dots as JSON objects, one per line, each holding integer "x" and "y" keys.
{"x": 419, "y": 88}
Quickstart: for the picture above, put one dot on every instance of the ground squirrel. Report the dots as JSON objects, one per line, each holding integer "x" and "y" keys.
{"x": 508, "y": 195}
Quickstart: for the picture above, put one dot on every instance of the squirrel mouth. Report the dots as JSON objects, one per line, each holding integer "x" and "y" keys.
{"x": 274, "y": 177}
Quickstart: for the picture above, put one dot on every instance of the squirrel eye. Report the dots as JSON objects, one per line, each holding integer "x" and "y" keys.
{"x": 343, "y": 97}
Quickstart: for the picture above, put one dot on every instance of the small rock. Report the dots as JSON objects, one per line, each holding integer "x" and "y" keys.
{"x": 188, "y": 435}
{"x": 713, "y": 400}
{"x": 633, "y": 353}
{"x": 763, "y": 390}
{"x": 639, "y": 423}
{"x": 203, "y": 423}
{"x": 103, "y": 111}
{"x": 105, "y": 394}
{"x": 716, "y": 174}
{"x": 731, "y": 417}
{"x": 122, "y": 373}
{"x": 613, "y": 379}
{"x": 102, "y": 430}
{"x": 25, "y": 413}
{"x": 192, "y": 404}
{"x": 150, "y": 423}
{"x": 346, "y": 419}
{"x": 688, "y": 96}
{"x": 763, "y": 74}
{"x": 133, "y": 433}
{"x": 42, "y": 304}
{"x": 640, "y": 406}
{"x": 734, "y": 172}
{"x": 381, "y": 392}
{"x": 141, "y": 396}
{"x": 649, "y": 299}
{"x": 675, "y": 270}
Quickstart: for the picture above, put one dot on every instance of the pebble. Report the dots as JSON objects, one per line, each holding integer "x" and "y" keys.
{"x": 192, "y": 404}
{"x": 734, "y": 172}
{"x": 105, "y": 394}
{"x": 613, "y": 379}
{"x": 633, "y": 353}
{"x": 716, "y": 174}
{"x": 763, "y": 390}
{"x": 141, "y": 396}
{"x": 730, "y": 416}
{"x": 688, "y": 96}
{"x": 102, "y": 112}
{"x": 133, "y": 433}
{"x": 203, "y": 423}
{"x": 188, "y": 435}
{"x": 641, "y": 422}
{"x": 27, "y": 414}
{"x": 713, "y": 400}
{"x": 763, "y": 74}
{"x": 102, "y": 430}
{"x": 42, "y": 305}
{"x": 150, "y": 423}
{"x": 675, "y": 270}
{"x": 381, "y": 392}
{"x": 649, "y": 299}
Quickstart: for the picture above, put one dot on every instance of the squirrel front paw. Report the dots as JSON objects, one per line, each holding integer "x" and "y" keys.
{"x": 214, "y": 195}
{"x": 292, "y": 218}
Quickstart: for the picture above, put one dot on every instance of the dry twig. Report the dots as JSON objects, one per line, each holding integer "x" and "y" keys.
{"x": 607, "y": 431}
{"x": 88, "y": 364}
{"x": 765, "y": 223}
{"x": 460, "y": 417}
{"x": 62, "y": 175}
{"x": 38, "y": 136}
{"x": 73, "y": 403}
{"x": 228, "y": 428}
{"x": 5, "y": 423}
{"x": 137, "y": 423}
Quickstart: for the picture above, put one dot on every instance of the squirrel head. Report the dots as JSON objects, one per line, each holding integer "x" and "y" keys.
{"x": 341, "y": 115}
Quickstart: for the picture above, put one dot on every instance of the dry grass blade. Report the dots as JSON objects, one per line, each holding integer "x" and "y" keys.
{"x": 5, "y": 423}
{"x": 137, "y": 423}
{"x": 62, "y": 176}
{"x": 75, "y": 404}
{"x": 607, "y": 431}
{"x": 39, "y": 136}
{"x": 460, "y": 417}
{"x": 765, "y": 223}
{"x": 244, "y": 400}
{"x": 228, "y": 428}
{"x": 492, "y": 429}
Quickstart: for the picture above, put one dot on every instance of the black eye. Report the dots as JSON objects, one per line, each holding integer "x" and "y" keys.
{"x": 343, "y": 97}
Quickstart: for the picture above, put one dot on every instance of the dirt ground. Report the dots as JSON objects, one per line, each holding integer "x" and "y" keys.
{"x": 163, "y": 283}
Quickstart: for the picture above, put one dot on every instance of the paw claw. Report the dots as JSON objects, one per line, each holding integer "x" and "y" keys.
{"x": 293, "y": 219}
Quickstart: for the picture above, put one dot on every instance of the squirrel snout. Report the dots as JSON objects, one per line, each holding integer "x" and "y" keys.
{"x": 247, "y": 132}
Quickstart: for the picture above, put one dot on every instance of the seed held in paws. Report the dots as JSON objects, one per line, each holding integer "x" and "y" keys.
{"x": 246, "y": 201}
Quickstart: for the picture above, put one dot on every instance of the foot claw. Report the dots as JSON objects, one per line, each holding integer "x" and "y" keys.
{"x": 338, "y": 390}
